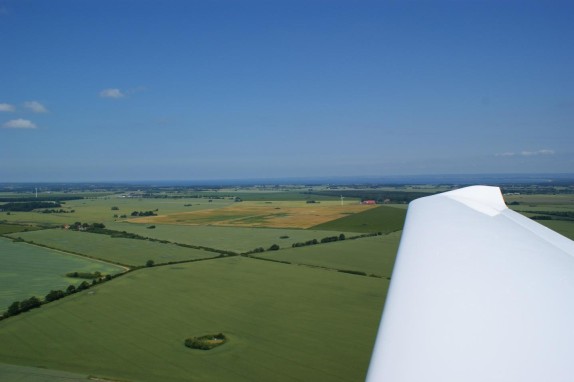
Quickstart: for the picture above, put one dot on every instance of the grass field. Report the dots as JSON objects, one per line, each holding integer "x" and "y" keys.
{"x": 261, "y": 214}
{"x": 128, "y": 252}
{"x": 237, "y": 239}
{"x": 565, "y": 228}
{"x": 11, "y": 228}
{"x": 284, "y": 323}
{"x": 525, "y": 200}
{"x": 13, "y": 373}
{"x": 372, "y": 255}
{"x": 29, "y": 270}
{"x": 380, "y": 219}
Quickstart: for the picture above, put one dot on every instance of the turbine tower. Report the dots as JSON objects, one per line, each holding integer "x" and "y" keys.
{"x": 342, "y": 197}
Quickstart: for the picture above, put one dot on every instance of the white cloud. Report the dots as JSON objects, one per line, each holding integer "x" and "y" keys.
{"x": 7, "y": 107}
{"x": 19, "y": 124}
{"x": 526, "y": 153}
{"x": 539, "y": 152}
{"x": 35, "y": 107}
{"x": 111, "y": 93}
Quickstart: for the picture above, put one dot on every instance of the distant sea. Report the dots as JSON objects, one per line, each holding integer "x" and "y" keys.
{"x": 456, "y": 179}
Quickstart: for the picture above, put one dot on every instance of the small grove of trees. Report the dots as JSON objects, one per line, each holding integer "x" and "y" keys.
{"x": 274, "y": 247}
{"x": 206, "y": 342}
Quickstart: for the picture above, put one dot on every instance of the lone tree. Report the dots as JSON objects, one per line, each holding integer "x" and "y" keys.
{"x": 149, "y": 263}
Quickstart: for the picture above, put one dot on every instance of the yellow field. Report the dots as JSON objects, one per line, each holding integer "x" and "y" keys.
{"x": 260, "y": 214}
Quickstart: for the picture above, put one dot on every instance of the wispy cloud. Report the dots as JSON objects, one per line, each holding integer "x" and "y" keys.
{"x": 7, "y": 107}
{"x": 539, "y": 152}
{"x": 526, "y": 153}
{"x": 506, "y": 154}
{"x": 35, "y": 107}
{"x": 112, "y": 93}
{"x": 19, "y": 124}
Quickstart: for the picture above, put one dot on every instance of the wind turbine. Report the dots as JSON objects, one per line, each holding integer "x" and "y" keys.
{"x": 342, "y": 197}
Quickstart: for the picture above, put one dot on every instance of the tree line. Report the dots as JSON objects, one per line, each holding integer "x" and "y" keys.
{"x": 28, "y": 206}
{"x": 33, "y": 302}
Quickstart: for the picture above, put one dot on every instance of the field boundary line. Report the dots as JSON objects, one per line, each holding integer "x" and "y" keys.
{"x": 124, "y": 267}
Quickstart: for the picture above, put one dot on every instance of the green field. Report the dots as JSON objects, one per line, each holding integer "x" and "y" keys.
{"x": 284, "y": 323}
{"x": 13, "y": 373}
{"x": 536, "y": 205}
{"x": 28, "y": 270}
{"x": 237, "y": 239}
{"x": 382, "y": 219}
{"x": 565, "y": 228}
{"x": 11, "y": 228}
{"x": 128, "y": 252}
{"x": 372, "y": 255}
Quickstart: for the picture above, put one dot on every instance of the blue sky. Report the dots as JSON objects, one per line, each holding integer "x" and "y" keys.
{"x": 188, "y": 90}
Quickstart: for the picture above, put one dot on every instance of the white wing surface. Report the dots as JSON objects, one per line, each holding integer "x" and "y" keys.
{"x": 478, "y": 293}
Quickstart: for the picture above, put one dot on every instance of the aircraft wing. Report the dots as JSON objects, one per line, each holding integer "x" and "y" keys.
{"x": 478, "y": 293}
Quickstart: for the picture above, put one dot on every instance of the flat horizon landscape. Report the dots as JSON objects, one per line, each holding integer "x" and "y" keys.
{"x": 301, "y": 296}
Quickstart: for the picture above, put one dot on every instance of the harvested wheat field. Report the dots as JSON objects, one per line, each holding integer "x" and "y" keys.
{"x": 258, "y": 214}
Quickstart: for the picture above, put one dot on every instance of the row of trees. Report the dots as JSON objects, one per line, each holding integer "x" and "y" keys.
{"x": 85, "y": 275}
{"x": 143, "y": 213}
{"x": 60, "y": 211}
{"x": 327, "y": 239}
{"x": 79, "y": 226}
{"x": 18, "y": 307}
{"x": 28, "y": 206}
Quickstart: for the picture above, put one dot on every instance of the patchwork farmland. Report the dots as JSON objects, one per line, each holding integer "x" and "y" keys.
{"x": 295, "y": 281}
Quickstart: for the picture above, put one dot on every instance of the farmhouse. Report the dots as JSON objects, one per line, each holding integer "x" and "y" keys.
{"x": 368, "y": 202}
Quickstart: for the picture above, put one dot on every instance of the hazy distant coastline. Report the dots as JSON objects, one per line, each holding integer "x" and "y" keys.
{"x": 451, "y": 179}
